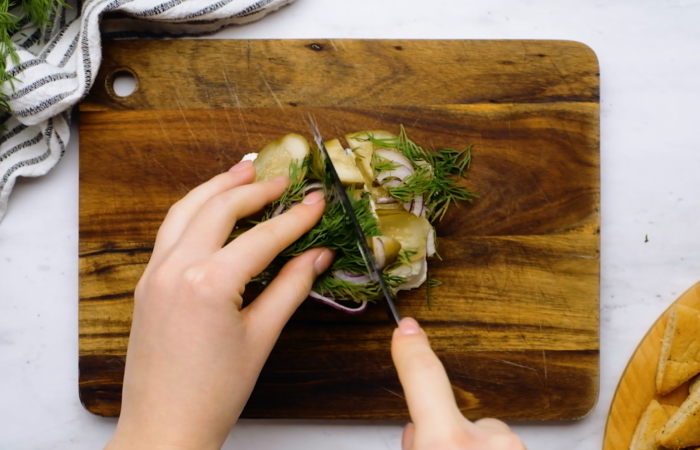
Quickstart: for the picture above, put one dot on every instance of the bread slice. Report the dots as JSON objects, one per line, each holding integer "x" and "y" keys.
{"x": 670, "y": 410}
{"x": 680, "y": 351}
{"x": 694, "y": 384}
{"x": 683, "y": 428}
{"x": 653, "y": 419}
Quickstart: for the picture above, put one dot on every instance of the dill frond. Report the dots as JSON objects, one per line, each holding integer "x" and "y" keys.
{"x": 39, "y": 13}
{"x": 381, "y": 164}
{"x": 295, "y": 192}
{"x": 432, "y": 282}
{"x": 436, "y": 181}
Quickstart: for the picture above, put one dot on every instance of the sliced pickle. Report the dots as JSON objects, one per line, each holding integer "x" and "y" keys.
{"x": 344, "y": 164}
{"x": 364, "y": 149}
{"x": 389, "y": 206}
{"x": 276, "y": 159}
{"x": 411, "y": 231}
{"x": 415, "y": 274}
{"x": 386, "y": 249}
{"x": 378, "y": 192}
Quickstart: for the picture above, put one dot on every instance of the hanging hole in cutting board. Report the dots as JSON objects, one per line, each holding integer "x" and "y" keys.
{"x": 122, "y": 83}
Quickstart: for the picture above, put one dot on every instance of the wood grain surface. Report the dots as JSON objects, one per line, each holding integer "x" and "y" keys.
{"x": 637, "y": 386}
{"x": 516, "y": 321}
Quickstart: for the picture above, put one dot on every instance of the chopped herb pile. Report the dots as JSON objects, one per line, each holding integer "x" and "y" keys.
{"x": 436, "y": 181}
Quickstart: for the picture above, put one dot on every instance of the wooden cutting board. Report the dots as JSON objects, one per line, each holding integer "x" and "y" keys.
{"x": 516, "y": 321}
{"x": 638, "y": 383}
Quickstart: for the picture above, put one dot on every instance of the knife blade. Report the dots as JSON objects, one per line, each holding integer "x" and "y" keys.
{"x": 342, "y": 196}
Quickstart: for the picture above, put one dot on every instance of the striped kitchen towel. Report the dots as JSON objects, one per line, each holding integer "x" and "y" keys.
{"x": 58, "y": 65}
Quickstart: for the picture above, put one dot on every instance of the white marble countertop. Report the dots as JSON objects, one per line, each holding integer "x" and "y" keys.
{"x": 649, "y": 55}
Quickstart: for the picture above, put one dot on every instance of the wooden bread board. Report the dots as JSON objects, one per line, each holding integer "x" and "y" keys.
{"x": 638, "y": 383}
{"x": 516, "y": 322}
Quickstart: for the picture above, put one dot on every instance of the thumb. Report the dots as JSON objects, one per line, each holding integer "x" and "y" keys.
{"x": 270, "y": 312}
{"x": 428, "y": 391}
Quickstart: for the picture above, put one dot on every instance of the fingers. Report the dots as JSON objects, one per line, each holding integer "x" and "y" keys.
{"x": 269, "y": 313}
{"x": 496, "y": 435}
{"x": 181, "y": 213}
{"x": 409, "y": 433}
{"x": 212, "y": 225}
{"x": 253, "y": 251}
{"x": 428, "y": 391}
{"x": 437, "y": 421}
{"x": 493, "y": 425}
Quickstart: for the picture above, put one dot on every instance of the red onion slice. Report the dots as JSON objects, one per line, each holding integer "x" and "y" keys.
{"x": 417, "y": 207}
{"x": 312, "y": 187}
{"x": 385, "y": 200}
{"x": 430, "y": 243}
{"x": 332, "y": 303}
{"x": 280, "y": 209}
{"x": 400, "y": 172}
{"x": 379, "y": 252}
{"x": 392, "y": 183}
{"x": 353, "y": 278}
{"x": 395, "y": 157}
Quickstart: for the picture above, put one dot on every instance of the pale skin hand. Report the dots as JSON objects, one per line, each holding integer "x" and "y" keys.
{"x": 437, "y": 423}
{"x": 194, "y": 353}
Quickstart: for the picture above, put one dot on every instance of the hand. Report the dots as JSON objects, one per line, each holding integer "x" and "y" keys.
{"x": 194, "y": 355}
{"x": 437, "y": 422}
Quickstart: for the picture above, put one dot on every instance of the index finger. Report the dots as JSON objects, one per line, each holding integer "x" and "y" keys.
{"x": 428, "y": 391}
{"x": 253, "y": 251}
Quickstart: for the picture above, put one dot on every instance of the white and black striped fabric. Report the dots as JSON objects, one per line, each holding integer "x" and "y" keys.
{"x": 58, "y": 65}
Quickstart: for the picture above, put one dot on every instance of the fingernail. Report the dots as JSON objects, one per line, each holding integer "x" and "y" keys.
{"x": 407, "y": 437}
{"x": 243, "y": 165}
{"x": 281, "y": 179}
{"x": 409, "y": 326}
{"x": 313, "y": 198}
{"x": 323, "y": 261}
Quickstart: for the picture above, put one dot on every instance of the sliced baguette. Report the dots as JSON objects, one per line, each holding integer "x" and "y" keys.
{"x": 694, "y": 384}
{"x": 653, "y": 419}
{"x": 670, "y": 410}
{"x": 683, "y": 428}
{"x": 680, "y": 351}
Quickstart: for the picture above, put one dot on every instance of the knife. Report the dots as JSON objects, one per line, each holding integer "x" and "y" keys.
{"x": 351, "y": 217}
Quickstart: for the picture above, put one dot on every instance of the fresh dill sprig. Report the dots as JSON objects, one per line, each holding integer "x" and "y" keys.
{"x": 295, "y": 192}
{"x": 8, "y": 26}
{"x": 432, "y": 282}
{"x": 404, "y": 256}
{"x": 381, "y": 164}
{"x": 39, "y": 13}
{"x": 335, "y": 232}
{"x": 436, "y": 180}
